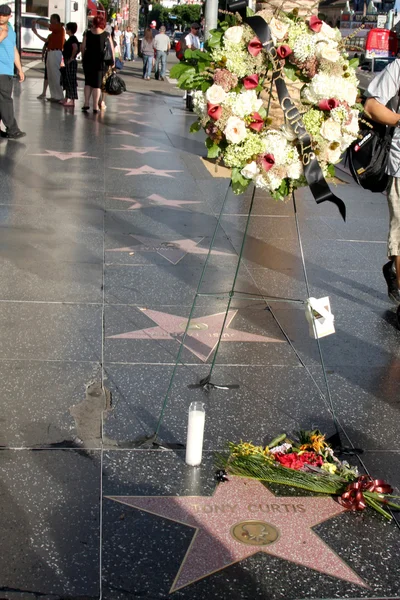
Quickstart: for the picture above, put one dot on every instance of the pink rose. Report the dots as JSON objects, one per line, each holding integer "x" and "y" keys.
{"x": 257, "y": 122}
{"x": 267, "y": 161}
{"x": 255, "y": 46}
{"x": 328, "y": 104}
{"x": 284, "y": 51}
{"x": 214, "y": 111}
{"x": 315, "y": 24}
{"x": 250, "y": 82}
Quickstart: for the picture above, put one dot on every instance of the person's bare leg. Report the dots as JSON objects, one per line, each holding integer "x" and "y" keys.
{"x": 96, "y": 98}
{"x": 87, "y": 93}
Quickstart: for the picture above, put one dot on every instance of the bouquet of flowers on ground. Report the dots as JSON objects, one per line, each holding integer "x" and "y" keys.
{"x": 309, "y": 463}
{"x": 228, "y": 78}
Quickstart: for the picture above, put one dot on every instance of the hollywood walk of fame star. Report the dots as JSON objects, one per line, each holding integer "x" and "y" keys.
{"x": 173, "y": 250}
{"x": 123, "y": 132}
{"x": 129, "y": 112}
{"x": 202, "y": 336}
{"x": 141, "y": 122}
{"x": 242, "y": 518}
{"x": 147, "y": 170}
{"x": 158, "y": 201}
{"x": 65, "y": 155}
{"x": 140, "y": 150}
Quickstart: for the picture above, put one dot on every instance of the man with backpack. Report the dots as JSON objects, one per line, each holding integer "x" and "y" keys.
{"x": 382, "y": 103}
{"x": 191, "y": 41}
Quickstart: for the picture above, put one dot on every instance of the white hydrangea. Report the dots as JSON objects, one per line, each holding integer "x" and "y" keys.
{"x": 276, "y": 143}
{"x": 244, "y": 104}
{"x": 199, "y": 103}
{"x": 324, "y": 85}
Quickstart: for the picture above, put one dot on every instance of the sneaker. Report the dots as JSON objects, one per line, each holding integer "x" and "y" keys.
{"x": 16, "y": 135}
{"x": 391, "y": 281}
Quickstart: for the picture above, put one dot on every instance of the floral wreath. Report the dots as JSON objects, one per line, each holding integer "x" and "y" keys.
{"x": 229, "y": 76}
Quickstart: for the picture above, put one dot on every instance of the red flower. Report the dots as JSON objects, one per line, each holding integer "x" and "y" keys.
{"x": 291, "y": 460}
{"x": 315, "y": 24}
{"x": 257, "y": 122}
{"x": 328, "y": 103}
{"x": 267, "y": 161}
{"x": 297, "y": 461}
{"x": 214, "y": 111}
{"x": 250, "y": 82}
{"x": 255, "y": 46}
{"x": 284, "y": 51}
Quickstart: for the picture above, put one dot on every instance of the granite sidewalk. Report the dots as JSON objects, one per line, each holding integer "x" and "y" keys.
{"x": 106, "y": 221}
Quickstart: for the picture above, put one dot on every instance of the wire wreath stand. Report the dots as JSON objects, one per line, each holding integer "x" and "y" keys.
{"x": 153, "y": 441}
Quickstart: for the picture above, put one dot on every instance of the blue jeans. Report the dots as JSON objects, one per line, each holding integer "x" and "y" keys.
{"x": 127, "y": 51}
{"x": 147, "y": 65}
{"x": 161, "y": 63}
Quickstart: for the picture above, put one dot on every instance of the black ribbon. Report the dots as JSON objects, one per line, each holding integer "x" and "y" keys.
{"x": 312, "y": 170}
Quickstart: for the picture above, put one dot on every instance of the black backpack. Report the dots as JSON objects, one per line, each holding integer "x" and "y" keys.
{"x": 368, "y": 156}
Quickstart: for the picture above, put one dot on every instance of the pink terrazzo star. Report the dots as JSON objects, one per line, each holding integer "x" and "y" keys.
{"x": 173, "y": 250}
{"x": 157, "y": 200}
{"x": 123, "y": 132}
{"x": 147, "y": 170}
{"x": 140, "y": 150}
{"x": 238, "y": 519}
{"x": 65, "y": 155}
{"x": 129, "y": 112}
{"x": 202, "y": 335}
{"x": 141, "y": 122}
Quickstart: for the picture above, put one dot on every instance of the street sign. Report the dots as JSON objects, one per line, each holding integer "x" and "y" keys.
{"x": 381, "y": 21}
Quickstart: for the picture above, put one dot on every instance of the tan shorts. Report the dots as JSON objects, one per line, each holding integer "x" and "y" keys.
{"x": 393, "y": 197}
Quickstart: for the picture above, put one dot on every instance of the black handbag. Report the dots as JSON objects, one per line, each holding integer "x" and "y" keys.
{"x": 107, "y": 53}
{"x": 368, "y": 156}
{"x": 114, "y": 85}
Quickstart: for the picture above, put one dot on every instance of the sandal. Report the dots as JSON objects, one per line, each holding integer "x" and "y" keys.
{"x": 85, "y": 108}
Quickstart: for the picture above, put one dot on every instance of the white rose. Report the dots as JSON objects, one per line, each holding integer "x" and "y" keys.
{"x": 250, "y": 170}
{"x": 278, "y": 28}
{"x": 331, "y": 131}
{"x": 329, "y": 32}
{"x": 327, "y": 52}
{"x": 215, "y": 94}
{"x": 333, "y": 156}
{"x": 235, "y": 130}
{"x": 295, "y": 170}
{"x": 234, "y": 34}
{"x": 261, "y": 183}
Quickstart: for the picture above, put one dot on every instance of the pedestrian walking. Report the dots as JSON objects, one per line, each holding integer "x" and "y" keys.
{"x": 128, "y": 44}
{"x": 42, "y": 96}
{"x": 192, "y": 42}
{"x": 55, "y": 45}
{"x": 381, "y": 104}
{"x": 162, "y": 46}
{"x": 9, "y": 57}
{"x": 153, "y": 27}
{"x": 70, "y": 52}
{"x": 117, "y": 39}
{"x": 192, "y": 39}
{"x": 148, "y": 53}
{"x": 92, "y": 50}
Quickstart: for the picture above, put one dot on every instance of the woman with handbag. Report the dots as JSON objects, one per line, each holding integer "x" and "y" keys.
{"x": 148, "y": 53}
{"x": 70, "y": 52}
{"x": 97, "y": 50}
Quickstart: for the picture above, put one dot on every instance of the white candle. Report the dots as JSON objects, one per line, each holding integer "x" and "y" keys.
{"x": 195, "y": 434}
